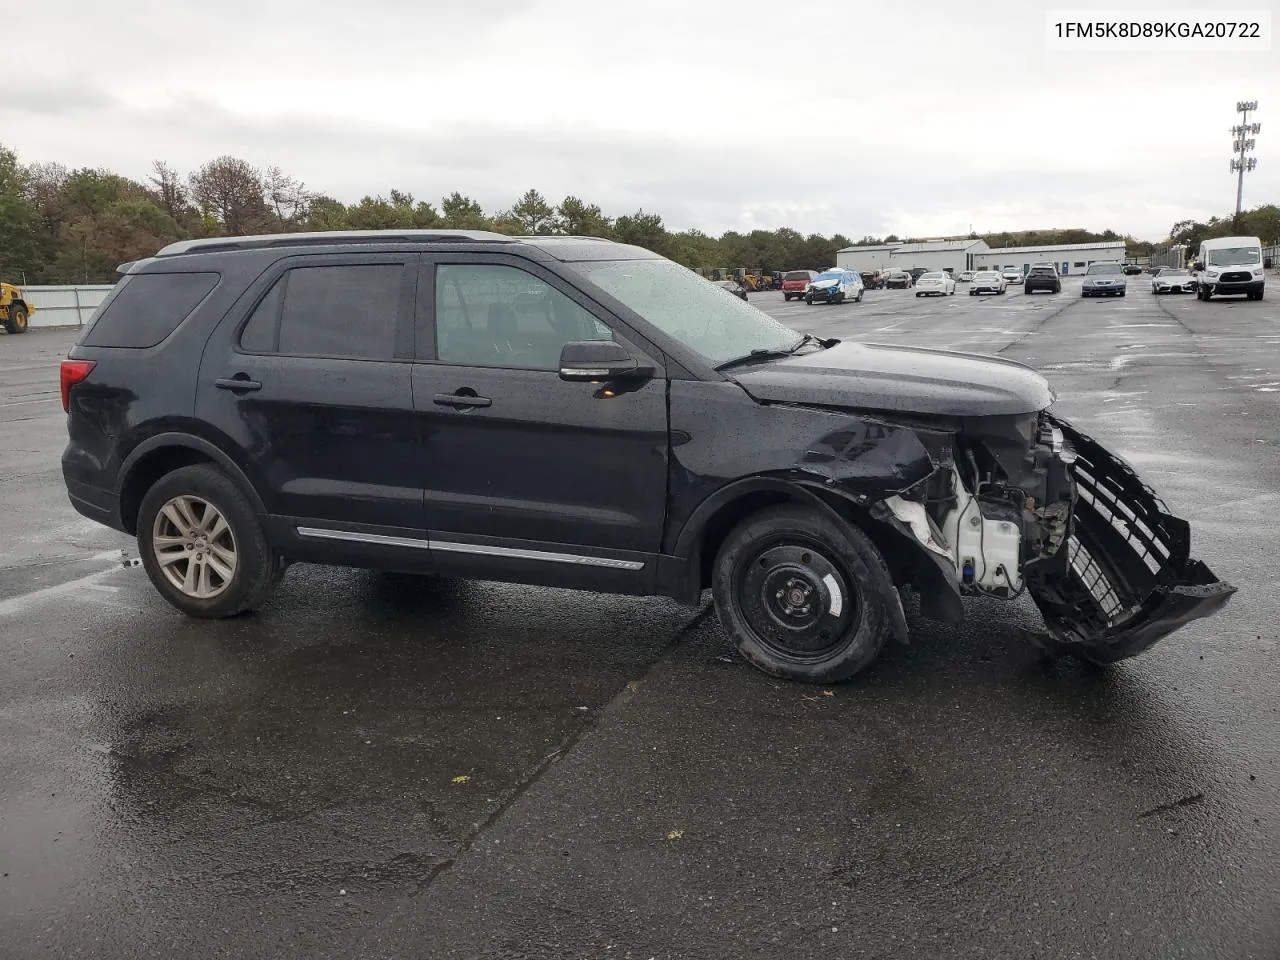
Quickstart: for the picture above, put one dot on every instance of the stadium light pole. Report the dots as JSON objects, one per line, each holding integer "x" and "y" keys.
{"x": 1242, "y": 145}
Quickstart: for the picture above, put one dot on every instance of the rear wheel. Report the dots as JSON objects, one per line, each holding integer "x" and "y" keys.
{"x": 802, "y": 598}
{"x": 17, "y": 322}
{"x": 202, "y": 544}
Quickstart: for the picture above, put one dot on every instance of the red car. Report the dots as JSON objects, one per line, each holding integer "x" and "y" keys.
{"x": 795, "y": 283}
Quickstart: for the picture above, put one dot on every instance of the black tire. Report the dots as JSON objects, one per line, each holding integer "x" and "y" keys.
{"x": 786, "y": 297}
{"x": 858, "y": 298}
{"x": 840, "y": 297}
{"x": 802, "y": 553}
{"x": 17, "y": 322}
{"x": 809, "y": 301}
{"x": 256, "y": 570}
{"x": 918, "y": 294}
{"x": 973, "y": 293}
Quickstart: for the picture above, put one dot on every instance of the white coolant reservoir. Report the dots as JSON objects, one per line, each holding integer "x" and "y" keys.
{"x": 986, "y": 551}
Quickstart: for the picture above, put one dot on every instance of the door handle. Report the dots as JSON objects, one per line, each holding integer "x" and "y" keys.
{"x": 461, "y": 400}
{"x": 239, "y": 383}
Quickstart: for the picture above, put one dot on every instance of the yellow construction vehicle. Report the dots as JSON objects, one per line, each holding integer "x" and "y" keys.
{"x": 15, "y": 310}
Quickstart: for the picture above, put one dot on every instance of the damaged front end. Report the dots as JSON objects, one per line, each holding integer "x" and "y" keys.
{"x": 1126, "y": 578}
{"x": 1029, "y": 504}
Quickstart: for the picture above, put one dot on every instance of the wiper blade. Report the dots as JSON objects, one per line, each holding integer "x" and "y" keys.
{"x": 752, "y": 357}
{"x": 763, "y": 354}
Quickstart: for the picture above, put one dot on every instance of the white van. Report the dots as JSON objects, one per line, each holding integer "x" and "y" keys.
{"x": 1229, "y": 265}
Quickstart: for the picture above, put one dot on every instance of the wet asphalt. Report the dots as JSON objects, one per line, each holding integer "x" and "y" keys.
{"x": 392, "y": 767}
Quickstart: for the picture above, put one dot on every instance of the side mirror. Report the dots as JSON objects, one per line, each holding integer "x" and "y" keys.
{"x": 589, "y": 360}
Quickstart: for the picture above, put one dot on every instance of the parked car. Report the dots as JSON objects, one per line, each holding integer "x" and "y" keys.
{"x": 796, "y": 282}
{"x": 1230, "y": 265}
{"x": 1132, "y": 269}
{"x": 733, "y": 287}
{"x": 1173, "y": 280}
{"x": 1012, "y": 276}
{"x": 935, "y": 284}
{"x": 965, "y": 276}
{"x": 872, "y": 280}
{"x": 986, "y": 281}
{"x": 917, "y": 273}
{"x": 1105, "y": 278}
{"x": 897, "y": 280}
{"x": 500, "y": 395}
{"x": 1042, "y": 277}
{"x": 835, "y": 286}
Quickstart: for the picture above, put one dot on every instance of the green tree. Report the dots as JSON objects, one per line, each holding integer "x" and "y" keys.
{"x": 533, "y": 213}
{"x": 579, "y": 219}
{"x": 643, "y": 230}
{"x": 20, "y": 253}
{"x": 463, "y": 213}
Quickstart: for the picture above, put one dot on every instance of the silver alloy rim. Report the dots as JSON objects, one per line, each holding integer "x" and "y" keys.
{"x": 194, "y": 547}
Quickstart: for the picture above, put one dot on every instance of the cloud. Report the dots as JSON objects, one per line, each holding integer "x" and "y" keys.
{"x": 819, "y": 115}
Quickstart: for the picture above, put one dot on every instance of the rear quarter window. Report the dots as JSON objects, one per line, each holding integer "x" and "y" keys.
{"x": 144, "y": 308}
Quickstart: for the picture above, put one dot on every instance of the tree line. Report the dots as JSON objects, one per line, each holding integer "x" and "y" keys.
{"x": 60, "y": 225}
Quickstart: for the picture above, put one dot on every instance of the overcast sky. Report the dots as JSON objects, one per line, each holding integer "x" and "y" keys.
{"x": 920, "y": 117}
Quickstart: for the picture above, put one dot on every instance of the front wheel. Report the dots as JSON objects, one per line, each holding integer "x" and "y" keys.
{"x": 803, "y": 598}
{"x": 17, "y": 322}
{"x": 202, "y": 544}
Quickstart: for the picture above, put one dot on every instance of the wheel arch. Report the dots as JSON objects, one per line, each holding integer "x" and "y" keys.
{"x": 164, "y": 453}
{"x": 909, "y": 563}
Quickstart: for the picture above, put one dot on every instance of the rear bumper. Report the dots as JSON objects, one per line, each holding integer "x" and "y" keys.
{"x": 1125, "y": 579}
{"x": 95, "y": 503}
{"x": 1032, "y": 285}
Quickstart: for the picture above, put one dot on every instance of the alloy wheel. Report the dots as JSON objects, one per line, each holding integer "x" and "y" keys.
{"x": 194, "y": 547}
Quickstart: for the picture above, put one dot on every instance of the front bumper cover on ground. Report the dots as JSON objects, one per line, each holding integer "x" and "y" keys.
{"x": 1124, "y": 579}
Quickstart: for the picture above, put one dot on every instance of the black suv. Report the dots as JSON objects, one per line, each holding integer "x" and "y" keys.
{"x": 579, "y": 413}
{"x": 1042, "y": 277}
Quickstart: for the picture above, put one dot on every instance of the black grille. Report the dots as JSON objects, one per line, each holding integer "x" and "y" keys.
{"x": 1237, "y": 277}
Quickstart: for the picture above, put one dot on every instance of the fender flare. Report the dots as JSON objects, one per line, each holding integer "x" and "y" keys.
{"x": 200, "y": 445}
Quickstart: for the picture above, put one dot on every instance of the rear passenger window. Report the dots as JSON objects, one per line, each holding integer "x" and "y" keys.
{"x": 495, "y": 316}
{"x": 147, "y": 307}
{"x": 345, "y": 311}
{"x": 259, "y": 334}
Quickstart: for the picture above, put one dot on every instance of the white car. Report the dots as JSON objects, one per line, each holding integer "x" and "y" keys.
{"x": 835, "y": 286}
{"x": 965, "y": 276}
{"x": 1012, "y": 276}
{"x": 986, "y": 281}
{"x": 936, "y": 284}
{"x": 1173, "y": 280}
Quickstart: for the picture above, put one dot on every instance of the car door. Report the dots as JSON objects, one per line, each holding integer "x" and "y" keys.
{"x": 527, "y": 476}
{"x": 309, "y": 384}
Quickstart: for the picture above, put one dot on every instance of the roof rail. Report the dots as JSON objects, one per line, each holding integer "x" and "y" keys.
{"x": 329, "y": 237}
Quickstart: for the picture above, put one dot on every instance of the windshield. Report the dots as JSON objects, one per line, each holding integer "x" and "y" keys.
{"x": 688, "y": 309}
{"x": 831, "y": 275}
{"x": 986, "y": 275}
{"x": 932, "y": 276}
{"x": 1105, "y": 269}
{"x": 1167, "y": 272}
{"x": 1234, "y": 256}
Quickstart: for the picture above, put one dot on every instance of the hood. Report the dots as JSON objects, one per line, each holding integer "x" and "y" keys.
{"x": 826, "y": 282}
{"x": 870, "y": 376}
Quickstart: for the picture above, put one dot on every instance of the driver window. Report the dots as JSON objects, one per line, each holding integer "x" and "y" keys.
{"x": 497, "y": 316}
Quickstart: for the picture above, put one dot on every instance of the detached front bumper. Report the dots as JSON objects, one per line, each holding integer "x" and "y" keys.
{"x": 1124, "y": 579}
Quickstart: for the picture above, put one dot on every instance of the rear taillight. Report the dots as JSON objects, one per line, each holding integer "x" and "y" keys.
{"x": 73, "y": 372}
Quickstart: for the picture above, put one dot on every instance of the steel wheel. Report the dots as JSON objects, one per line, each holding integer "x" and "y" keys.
{"x": 796, "y": 601}
{"x": 194, "y": 547}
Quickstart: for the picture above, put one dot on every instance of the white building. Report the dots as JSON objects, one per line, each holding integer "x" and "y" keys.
{"x": 1070, "y": 258}
{"x": 864, "y": 259}
{"x": 953, "y": 255}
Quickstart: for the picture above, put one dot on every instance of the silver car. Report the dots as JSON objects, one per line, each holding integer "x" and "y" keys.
{"x": 1104, "y": 279}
